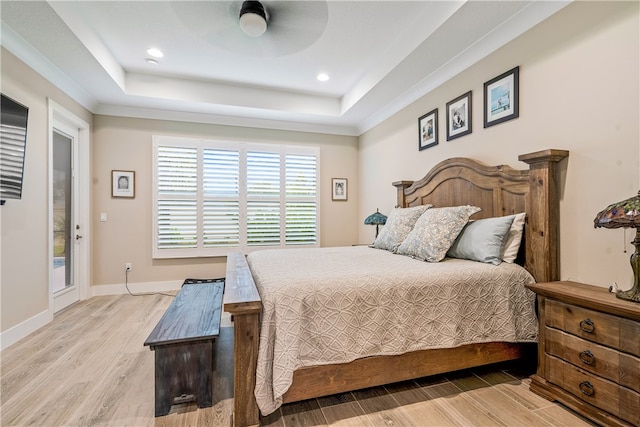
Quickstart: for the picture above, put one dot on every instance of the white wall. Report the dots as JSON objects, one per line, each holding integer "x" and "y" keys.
{"x": 24, "y": 293}
{"x": 579, "y": 91}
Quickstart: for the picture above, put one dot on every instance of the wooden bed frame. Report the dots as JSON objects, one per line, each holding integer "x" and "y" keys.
{"x": 498, "y": 190}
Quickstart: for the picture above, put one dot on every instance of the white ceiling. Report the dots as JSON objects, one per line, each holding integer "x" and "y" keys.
{"x": 380, "y": 55}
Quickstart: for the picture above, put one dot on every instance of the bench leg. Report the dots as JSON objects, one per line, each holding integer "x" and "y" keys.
{"x": 163, "y": 392}
{"x": 204, "y": 394}
{"x": 163, "y": 404}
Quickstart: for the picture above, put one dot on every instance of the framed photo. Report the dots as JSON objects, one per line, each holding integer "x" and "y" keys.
{"x": 459, "y": 116}
{"x": 123, "y": 184}
{"x": 501, "y": 98}
{"x": 428, "y": 130}
{"x": 338, "y": 188}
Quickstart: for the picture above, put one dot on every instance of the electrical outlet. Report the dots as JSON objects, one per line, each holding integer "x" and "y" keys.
{"x": 128, "y": 266}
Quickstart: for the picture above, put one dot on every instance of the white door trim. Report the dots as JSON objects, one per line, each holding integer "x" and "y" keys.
{"x": 60, "y": 116}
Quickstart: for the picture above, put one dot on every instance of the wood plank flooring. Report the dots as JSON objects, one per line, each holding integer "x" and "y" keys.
{"x": 89, "y": 368}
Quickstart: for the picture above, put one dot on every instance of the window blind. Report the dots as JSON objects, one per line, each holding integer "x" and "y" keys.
{"x": 13, "y": 140}
{"x": 221, "y": 204}
{"x": 12, "y": 153}
{"x": 301, "y": 187}
{"x": 214, "y": 196}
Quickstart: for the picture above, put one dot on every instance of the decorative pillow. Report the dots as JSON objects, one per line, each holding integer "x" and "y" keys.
{"x": 512, "y": 242}
{"x": 482, "y": 240}
{"x": 435, "y": 232}
{"x": 399, "y": 223}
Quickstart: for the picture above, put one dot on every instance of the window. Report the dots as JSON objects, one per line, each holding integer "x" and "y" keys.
{"x": 214, "y": 196}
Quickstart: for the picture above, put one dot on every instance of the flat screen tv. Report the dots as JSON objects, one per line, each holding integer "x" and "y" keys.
{"x": 13, "y": 141}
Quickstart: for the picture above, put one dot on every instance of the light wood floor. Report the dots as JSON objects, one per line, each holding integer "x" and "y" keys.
{"x": 89, "y": 368}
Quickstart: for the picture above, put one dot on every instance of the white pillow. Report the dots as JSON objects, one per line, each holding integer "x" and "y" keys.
{"x": 513, "y": 239}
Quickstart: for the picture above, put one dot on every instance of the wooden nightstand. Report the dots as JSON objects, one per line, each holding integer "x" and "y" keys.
{"x": 589, "y": 351}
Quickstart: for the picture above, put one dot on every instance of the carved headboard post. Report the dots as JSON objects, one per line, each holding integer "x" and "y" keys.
{"x": 542, "y": 230}
{"x": 400, "y": 186}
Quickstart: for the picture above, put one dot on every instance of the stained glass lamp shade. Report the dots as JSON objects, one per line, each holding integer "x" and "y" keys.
{"x": 625, "y": 214}
{"x": 376, "y": 219}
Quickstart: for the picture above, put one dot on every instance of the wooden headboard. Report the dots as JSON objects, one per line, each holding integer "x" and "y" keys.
{"x": 501, "y": 190}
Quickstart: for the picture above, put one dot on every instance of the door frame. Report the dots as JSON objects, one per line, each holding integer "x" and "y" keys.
{"x": 60, "y": 116}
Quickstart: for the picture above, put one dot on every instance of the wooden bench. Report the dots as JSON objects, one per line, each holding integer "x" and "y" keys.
{"x": 183, "y": 344}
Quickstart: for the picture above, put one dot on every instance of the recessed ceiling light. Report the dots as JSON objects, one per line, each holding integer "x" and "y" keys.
{"x": 156, "y": 53}
{"x": 152, "y": 61}
{"x": 323, "y": 77}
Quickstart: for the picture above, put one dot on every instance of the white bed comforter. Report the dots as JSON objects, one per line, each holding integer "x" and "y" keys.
{"x": 335, "y": 305}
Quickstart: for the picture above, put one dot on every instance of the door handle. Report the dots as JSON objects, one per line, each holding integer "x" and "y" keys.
{"x": 78, "y": 237}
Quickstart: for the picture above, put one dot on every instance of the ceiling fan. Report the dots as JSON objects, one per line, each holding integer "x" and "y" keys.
{"x": 289, "y": 26}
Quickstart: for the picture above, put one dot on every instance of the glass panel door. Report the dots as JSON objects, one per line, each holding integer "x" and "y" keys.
{"x": 63, "y": 230}
{"x": 68, "y": 207}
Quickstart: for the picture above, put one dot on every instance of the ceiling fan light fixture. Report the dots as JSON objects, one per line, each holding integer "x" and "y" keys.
{"x": 253, "y": 18}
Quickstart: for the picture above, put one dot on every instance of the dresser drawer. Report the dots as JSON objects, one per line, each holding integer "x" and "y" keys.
{"x": 603, "y": 361}
{"x": 616, "y": 332}
{"x": 606, "y": 395}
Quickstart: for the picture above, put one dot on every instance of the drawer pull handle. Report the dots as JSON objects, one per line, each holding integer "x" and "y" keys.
{"x": 587, "y": 389}
{"x": 587, "y": 326}
{"x": 587, "y": 357}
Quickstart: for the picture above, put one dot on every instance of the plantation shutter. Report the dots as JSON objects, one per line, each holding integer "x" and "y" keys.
{"x": 221, "y": 206}
{"x": 213, "y": 196}
{"x": 177, "y": 203}
{"x": 263, "y": 198}
{"x": 301, "y": 204}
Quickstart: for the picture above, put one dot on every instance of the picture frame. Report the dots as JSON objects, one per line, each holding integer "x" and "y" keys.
{"x": 501, "y": 98}
{"x": 123, "y": 184}
{"x": 428, "y": 130}
{"x": 339, "y": 189}
{"x": 459, "y": 116}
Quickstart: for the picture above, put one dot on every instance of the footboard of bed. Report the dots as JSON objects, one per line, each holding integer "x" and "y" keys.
{"x": 373, "y": 371}
{"x": 242, "y": 300}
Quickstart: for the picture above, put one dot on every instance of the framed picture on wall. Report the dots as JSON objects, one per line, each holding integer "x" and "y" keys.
{"x": 428, "y": 130}
{"x": 501, "y": 98}
{"x": 338, "y": 188}
{"x": 459, "y": 116}
{"x": 123, "y": 184}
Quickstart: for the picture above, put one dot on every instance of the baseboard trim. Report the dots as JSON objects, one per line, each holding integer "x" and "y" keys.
{"x": 136, "y": 288}
{"x": 21, "y": 330}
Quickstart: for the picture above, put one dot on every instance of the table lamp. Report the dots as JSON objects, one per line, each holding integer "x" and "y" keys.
{"x": 376, "y": 219}
{"x": 625, "y": 214}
